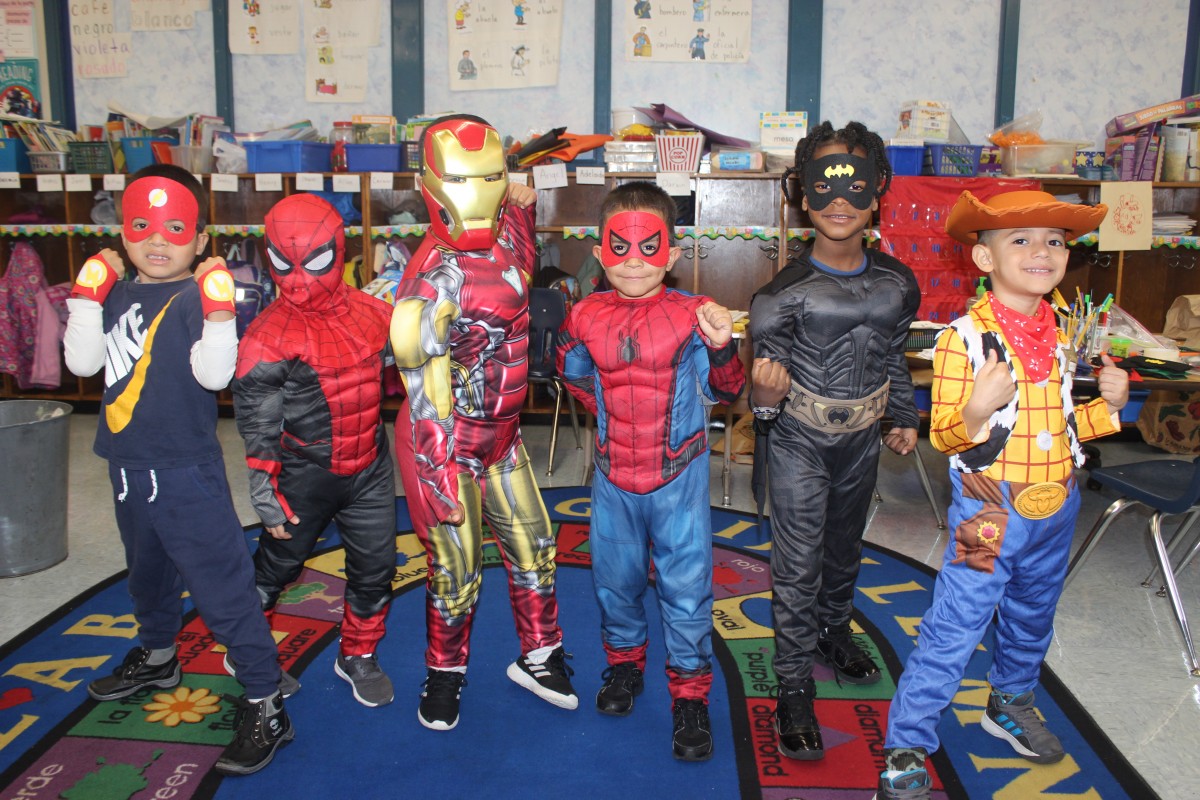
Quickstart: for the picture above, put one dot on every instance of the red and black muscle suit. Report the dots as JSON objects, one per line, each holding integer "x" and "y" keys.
{"x": 307, "y": 395}
{"x": 459, "y": 334}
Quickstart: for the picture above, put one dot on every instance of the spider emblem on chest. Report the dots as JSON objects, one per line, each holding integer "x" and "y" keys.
{"x": 630, "y": 351}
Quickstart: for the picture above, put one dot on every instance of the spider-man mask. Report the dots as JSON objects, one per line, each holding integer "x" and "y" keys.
{"x": 635, "y": 234}
{"x": 158, "y": 200}
{"x": 306, "y": 247}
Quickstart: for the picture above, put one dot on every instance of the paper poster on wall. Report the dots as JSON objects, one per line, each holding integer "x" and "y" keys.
{"x": 264, "y": 27}
{"x": 97, "y": 50}
{"x": 20, "y": 91}
{"x": 687, "y": 30}
{"x": 1130, "y": 221}
{"x": 503, "y": 44}
{"x": 16, "y": 29}
{"x": 335, "y": 60}
{"x": 161, "y": 15}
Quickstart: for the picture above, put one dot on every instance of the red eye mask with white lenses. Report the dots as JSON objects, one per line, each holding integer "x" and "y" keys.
{"x": 635, "y": 234}
{"x": 157, "y": 201}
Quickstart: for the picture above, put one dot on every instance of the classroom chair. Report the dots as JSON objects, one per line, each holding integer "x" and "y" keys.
{"x": 547, "y": 312}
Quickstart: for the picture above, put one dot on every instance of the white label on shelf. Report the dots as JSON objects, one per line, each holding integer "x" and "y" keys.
{"x": 674, "y": 183}
{"x": 79, "y": 183}
{"x": 268, "y": 182}
{"x": 10, "y": 180}
{"x": 310, "y": 182}
{"x": 221, "y": 182}
{"x": 50, "y": 183}
{"x": 592, "y": 175}
{"x": 383, "y": 180}
{"x": 114, "y": 183}
{"x": 550, "y": 176}
{"x": 346, "y": 182}
{"x": 519, "y": 177}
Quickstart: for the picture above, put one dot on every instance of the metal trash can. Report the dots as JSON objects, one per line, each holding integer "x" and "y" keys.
{"x": 34, "y": 445}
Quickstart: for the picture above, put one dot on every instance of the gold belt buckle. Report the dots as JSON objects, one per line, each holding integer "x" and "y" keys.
{"x": 1040, "y": 500}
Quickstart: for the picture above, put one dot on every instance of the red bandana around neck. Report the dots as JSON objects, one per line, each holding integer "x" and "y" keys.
{"x": 1033, "y": 339}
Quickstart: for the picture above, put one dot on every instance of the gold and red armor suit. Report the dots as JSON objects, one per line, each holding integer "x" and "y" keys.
{"x": 460, "y": 338}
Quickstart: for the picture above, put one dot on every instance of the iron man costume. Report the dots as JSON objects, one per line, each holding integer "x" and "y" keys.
{"x": 459, "y": 332}
{"x": 307, "y": 396}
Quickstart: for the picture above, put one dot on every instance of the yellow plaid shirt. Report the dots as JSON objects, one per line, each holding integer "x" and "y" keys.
{"x": 1040, "y": 418}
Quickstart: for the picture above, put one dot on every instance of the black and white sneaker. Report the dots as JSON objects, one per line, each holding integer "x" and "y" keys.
{"x": 135, "y": 674}
{"x": 288, "y": 685}
{"x": 549, "y": 680}
{"x": 439, "y": 702}
{"x": 371, "y": 685}
{"x": 1014, "y": 719}
{"x": 261, "y": 728}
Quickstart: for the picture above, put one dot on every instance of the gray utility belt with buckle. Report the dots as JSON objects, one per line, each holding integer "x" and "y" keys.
{"x": 836, "y": 416}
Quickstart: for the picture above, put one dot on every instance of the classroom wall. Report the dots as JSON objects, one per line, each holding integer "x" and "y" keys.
{"x": 1079, "y": 62}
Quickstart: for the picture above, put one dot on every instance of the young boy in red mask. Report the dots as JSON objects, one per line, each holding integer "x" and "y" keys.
{"x": 168, "y": 343}
{"x": 648, "y": 361}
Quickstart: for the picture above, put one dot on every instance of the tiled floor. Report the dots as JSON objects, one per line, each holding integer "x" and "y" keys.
{"x": 1116, "y": 645}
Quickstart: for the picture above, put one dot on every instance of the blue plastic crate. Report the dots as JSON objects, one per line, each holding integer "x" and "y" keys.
{"x": 1133, "y": 408}
{"x": 952, "y": 160}
{"x": 138, "y": 152}
{"x": 905, "y": 159}
{"x": 287, "y": 156}
{"x": 12, "y": 156}
{"x": 374, "y": 157}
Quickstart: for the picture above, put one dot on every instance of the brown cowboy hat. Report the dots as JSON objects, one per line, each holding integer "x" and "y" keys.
{"x": 1026, "y": 209}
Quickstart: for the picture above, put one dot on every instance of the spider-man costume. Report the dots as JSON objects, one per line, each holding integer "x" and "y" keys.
{"x": 459, "y": 333}
{"x": 307, "y": 394}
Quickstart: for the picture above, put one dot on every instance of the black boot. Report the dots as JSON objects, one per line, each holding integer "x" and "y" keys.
{"x": 622, "y": 683}
{"x": 135, "y": 674}
{"x": 796, "y": 722}
{"x": 261, "y": 728}
{"x": 692, "y": 737}
{"x": 837, "y": 649}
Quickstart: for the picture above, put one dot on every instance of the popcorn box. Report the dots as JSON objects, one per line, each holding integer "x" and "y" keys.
{"x": 679, "y": 151}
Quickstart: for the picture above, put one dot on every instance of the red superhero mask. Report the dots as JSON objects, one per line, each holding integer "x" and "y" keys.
{"x": 306, "y": 246}
{"x": 158, "y": 200}
{"x": 635, "y": 234}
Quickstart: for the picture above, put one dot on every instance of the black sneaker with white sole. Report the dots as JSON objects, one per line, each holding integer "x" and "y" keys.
{"x": 549, "y": 680}
{"x": 288, "y": 685}
{"x": 261, "y": 728}
{"x": 439, "y": 700}
{"x": 371, "y": 685}
{"x": 1014, "y": 719}
{"x": 135, "y": 674}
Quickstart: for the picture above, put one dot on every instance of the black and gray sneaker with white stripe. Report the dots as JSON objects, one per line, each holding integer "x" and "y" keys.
{"x": 549, "y": 679}
{"x": 1014, "y": 719}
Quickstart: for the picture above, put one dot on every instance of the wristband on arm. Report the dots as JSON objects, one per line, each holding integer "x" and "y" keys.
{"x": 95, "y": 280}
{"x": 217, "y": 290}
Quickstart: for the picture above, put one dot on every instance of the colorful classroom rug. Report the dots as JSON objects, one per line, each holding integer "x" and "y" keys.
{"x": 55, "y": 742}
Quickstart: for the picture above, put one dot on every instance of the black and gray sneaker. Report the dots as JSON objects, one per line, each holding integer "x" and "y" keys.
{"x": 549, "y": 680}
{"x": 623, "y": 681}
{"x": 261, "y": 728}
{"x": 288, "y": 685}
{"x": 692, "y": 738}
{"x": 837, "y": 649}
{"x": 135, "y": 674}
{"x": 905, "y": 777}
{"x": 439, "y": 702}
{"x": 372, "y": 687}
{"x": 1014, "y": 719}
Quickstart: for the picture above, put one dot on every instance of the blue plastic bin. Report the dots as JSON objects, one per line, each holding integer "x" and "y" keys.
{"x": 374, "y": 157}
{"x": 905, "y": 159}
{"x": 12, "y": 156}
{"x": 138, "y": 152}
{"x": 1133, "y": 408}
{"x": 952, "y": 160}
{"x": 287, "y": 156}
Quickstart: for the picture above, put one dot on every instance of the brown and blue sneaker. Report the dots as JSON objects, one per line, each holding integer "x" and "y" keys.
{"x": 905, "y": 777}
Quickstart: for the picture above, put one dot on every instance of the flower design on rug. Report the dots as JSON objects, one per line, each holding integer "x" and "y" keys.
{"x": 182, "y": 705}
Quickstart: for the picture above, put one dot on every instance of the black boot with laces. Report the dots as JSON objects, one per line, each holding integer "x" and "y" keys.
{"x": 837, "y": 649}
{"x": 261, "y": 728}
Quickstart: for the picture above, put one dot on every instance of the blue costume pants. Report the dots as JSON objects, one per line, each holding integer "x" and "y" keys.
{"x": 1023, "y": 592}
{"x": 180, "y": 531}
{"x": 674, "y": 525}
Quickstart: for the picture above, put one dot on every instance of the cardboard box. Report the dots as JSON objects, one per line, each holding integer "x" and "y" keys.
{"x": 1123, "y": 123}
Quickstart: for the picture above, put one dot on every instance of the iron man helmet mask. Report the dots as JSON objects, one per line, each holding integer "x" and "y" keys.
{"x": 464, "y": 182}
